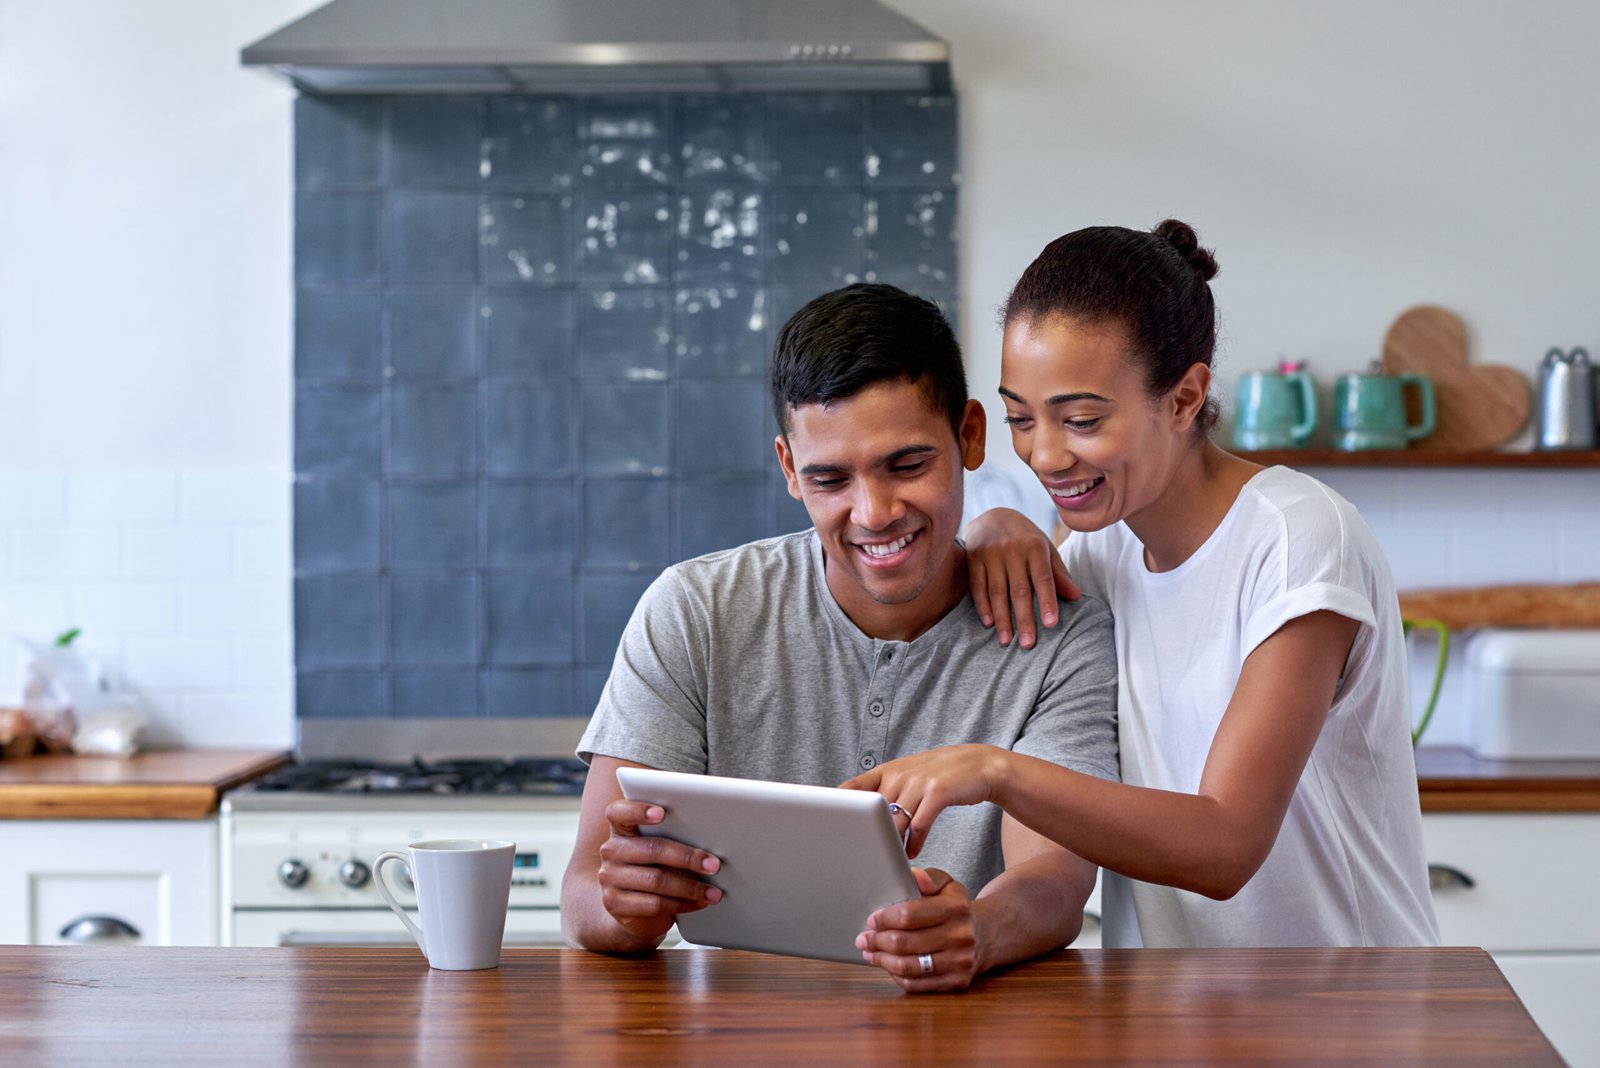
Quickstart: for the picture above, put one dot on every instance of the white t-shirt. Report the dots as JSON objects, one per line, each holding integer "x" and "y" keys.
{"x": 1348, "y": 866}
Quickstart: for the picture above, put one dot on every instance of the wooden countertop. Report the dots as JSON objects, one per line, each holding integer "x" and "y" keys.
{"x": 130, "y": 1005}
{"x": 171, "y": 784}
{"x": 188, "y": 783}
{"x": 1453, "y": 780}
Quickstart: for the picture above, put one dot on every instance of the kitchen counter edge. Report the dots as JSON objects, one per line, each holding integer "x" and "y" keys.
{"x": 162, "y": 784}
{"x": 1452, "y": 779}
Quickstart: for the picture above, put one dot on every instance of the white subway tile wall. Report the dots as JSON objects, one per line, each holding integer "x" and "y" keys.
{"x": 211, "y": 653}
{"x": 179, "y": 581}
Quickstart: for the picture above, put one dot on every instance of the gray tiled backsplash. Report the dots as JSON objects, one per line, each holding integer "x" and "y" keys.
{"x": 529, "y": 144}
{"x": 338, "y": 431}
{"x": 528, "y": 430}
{"x": 820, "y": 235}
{"x": 432, "y": 333}
{"x": 627, "y": 237}
{"x": 338, "y": 335}
{"x": 433, "y": 431}
{"x": 627, "y": 334}
{"x": 433, "y": 620}
{"x": 722, "y": 330}
{"x": 433, "y": 237}
{"x": 338, "y": 620}
{"x": 607, "y": 601}
{"x": 529, "y": 619}
{"x": 434, "y": 142}
{"x": 530, "y": 333}
{"x": 432, "y": 526}
{"x": 720, "y": 513}
{"x": 525, "y": 239}
{"x": 530, "y": 345}
{"x": 337, "y": 525}
{"x": 627, "y": 524}
{"x": 338, "y": 142}
{"x": 336, "y": 237}
{"x": 819, "y": 139}
{"x": 532, "y": 525}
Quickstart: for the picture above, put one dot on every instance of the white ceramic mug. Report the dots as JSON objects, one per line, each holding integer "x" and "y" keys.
{"x": 463, "y": 887}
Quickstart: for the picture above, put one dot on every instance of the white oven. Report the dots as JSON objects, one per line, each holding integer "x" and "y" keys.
{"x": 297, "y": 868}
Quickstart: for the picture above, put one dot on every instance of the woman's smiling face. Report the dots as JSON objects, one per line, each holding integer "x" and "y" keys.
{"x": 1081, "y": 418}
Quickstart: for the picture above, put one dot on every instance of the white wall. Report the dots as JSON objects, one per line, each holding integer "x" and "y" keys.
{"x": 144, "y": 355}
{"x": 1345, "y": 160}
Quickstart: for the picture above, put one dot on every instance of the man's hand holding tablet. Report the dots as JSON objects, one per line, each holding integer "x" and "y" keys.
{"x": 646, "y": 882}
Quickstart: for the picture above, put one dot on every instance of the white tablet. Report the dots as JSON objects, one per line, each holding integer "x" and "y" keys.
{"x": 802, "y": 866}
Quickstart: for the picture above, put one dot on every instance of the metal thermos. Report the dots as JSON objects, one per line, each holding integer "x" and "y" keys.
{"x": 1566, "y": 400}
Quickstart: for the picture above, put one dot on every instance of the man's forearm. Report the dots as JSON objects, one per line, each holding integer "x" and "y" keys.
{"x": 585, "y": 923}
{"x": 1029, "y": 909}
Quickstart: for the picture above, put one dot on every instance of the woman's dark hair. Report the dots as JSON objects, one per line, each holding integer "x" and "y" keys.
{"x": 1153, "y": 283}
{"x": 844, "y": 341}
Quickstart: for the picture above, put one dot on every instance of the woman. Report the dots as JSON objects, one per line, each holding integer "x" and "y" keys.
{"x": 1269, "y": 791}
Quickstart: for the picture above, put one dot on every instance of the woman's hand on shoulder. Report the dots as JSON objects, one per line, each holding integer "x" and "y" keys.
{"x": 1010, "y": 566}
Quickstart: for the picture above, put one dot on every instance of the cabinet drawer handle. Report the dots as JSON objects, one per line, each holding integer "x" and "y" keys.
{"x": 1444, "y": 877}
{"x": 86, "y": 929}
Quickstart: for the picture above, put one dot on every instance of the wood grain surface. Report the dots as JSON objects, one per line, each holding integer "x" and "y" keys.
{"x": 384, "y": 1006}
{"x": 1478, "y": 406}
{"x": 1575, "y": 605}
{"x": 174, "y": 784}
{"x": 1451, "y": 779}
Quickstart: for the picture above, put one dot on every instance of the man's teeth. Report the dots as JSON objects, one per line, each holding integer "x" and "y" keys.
{"x": 889, "y": 549}
{"x": 1078, "y": 489}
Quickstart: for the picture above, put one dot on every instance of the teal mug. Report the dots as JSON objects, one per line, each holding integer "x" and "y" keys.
{"x": 1274, "y": 411}
{"x": 1369, "y": 411}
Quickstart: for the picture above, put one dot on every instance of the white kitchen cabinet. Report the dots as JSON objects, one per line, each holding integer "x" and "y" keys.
{"x": 157, "y": 878}
{"x": 1523, "y": 886}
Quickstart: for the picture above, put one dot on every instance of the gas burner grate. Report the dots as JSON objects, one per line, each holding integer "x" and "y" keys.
{"x": 528, "y": 776}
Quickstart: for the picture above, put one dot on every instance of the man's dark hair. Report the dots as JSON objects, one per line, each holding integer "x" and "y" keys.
{"x": 844, "y": 341}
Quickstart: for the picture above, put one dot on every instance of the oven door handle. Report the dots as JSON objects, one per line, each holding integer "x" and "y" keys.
{"x": 345, "y": 938}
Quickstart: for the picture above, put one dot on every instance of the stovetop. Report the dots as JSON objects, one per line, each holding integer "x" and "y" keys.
{"x": 453, "y": 783}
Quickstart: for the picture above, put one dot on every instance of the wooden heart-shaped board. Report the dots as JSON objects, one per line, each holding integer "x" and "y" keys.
{"x": 1479, "y": 408}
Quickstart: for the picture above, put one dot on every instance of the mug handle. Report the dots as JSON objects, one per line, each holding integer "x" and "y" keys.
{"x": 1301, "y": 431}
{"x": 388, "y": 897}
{"x": 1425, "y": 392}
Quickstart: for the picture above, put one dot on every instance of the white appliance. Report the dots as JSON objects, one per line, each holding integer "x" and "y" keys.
{"x": 1535, "y": 693}
{"x": 298, "y": 845}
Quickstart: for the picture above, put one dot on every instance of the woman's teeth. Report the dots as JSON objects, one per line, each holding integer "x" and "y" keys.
{"x": 1078, "y": 489}
{"x": 889, "y": 549}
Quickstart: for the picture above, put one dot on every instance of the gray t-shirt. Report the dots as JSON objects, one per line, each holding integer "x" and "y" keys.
{"x": 742, "y": 664}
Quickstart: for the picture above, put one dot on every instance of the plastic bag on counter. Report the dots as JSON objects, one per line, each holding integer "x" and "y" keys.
{"x": 64, "y": 687}
{"x": 113, "y": 731}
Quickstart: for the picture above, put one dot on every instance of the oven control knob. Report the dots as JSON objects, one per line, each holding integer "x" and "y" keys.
{"x": 354, "y": 874}
{"x": 293, "y": 874}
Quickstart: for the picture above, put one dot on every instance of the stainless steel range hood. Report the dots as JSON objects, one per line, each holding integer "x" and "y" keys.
{"x": 515, "y": 46}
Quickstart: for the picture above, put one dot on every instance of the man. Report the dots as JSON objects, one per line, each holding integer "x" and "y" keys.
{"x": 810, "y": 657}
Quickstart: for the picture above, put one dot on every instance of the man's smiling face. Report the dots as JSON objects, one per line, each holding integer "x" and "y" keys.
{"x": 880, "y": 475}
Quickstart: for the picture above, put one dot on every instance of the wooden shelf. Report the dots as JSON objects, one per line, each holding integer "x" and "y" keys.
{"x": 1423, "y": 458}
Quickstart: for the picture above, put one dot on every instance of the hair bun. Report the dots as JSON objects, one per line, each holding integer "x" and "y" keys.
{"x": 1181, "y": 236}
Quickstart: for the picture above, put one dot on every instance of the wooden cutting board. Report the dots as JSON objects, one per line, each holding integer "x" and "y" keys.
{"x": 1479, "y": 408}
{"x": 1574, "y": 606}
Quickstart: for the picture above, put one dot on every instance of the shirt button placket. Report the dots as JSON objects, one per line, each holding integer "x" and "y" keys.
{"x": 875, "y": 728}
